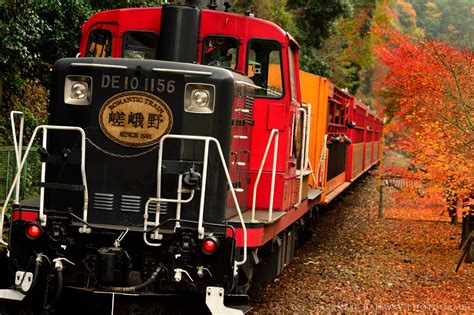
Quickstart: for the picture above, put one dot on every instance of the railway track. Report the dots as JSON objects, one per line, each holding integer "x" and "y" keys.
{"x": 401, "y": 183}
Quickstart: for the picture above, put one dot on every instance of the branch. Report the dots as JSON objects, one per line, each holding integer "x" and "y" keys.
{"x": 443, "y": 117}
{"x": 463, "y": 102}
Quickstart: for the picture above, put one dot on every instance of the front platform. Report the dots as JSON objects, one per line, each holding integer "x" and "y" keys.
{"x": 263, "y": 230}
{"x": 261, "y": 218}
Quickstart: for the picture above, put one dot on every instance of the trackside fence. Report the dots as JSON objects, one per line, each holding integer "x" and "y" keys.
{"x": 8, "y": 169}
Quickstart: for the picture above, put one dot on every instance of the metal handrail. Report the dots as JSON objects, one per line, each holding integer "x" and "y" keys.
{"x": 303, "y": 156}
{"x": 18, "y": 147}
{"x": 178, "y": 201}
{"x": 308, "y": 134}
{"x": 312, "y": 174}
{"x": 274, "y": 133}
{"x": 158, "y": 199}
{"x": 45, "y": 128}
{"x": 321, "y": 160}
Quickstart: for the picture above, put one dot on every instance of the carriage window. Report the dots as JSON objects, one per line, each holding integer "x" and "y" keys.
{"x": 331, "y": 112}
{"x": 140, "y": 45}
{"x": 100, "y": 44}
{"x": 220, "y": 51}
{"x": 264, "y": 67}
{"x": 338, "y": 116}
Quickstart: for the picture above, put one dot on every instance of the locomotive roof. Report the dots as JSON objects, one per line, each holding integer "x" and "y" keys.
{"x": 212, "y": 22}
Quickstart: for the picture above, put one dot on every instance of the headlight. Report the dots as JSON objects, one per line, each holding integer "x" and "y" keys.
{"x": 199, "y": 98}
{"x": 78, "y": 90}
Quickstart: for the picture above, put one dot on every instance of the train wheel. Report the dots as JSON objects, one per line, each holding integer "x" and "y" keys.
{"x": 305, "y": 231}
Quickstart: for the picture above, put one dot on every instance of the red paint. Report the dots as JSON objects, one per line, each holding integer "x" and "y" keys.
{"x": 254, "y": 236}
{"x": 120, "y": 21}
{"x": 257, "y": 237}
{"x": 30, "y": 216}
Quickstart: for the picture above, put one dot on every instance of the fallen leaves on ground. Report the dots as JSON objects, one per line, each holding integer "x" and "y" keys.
{"x": 357, "y": 262}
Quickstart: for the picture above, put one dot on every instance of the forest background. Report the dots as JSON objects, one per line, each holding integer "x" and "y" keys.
{"x": 410, "y": 60}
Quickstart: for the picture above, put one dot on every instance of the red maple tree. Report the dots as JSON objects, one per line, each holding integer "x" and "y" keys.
{"x": 428, "y": 95}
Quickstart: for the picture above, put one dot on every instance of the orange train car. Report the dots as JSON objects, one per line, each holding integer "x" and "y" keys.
{"x": 344, "y": 137}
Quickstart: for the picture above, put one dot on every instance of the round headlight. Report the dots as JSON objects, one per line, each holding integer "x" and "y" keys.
{"x": 200, "y": 98}
{"x": 79, "y": 90}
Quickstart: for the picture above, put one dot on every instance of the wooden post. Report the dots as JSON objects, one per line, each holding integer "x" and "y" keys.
{"x": 380, "y": 186}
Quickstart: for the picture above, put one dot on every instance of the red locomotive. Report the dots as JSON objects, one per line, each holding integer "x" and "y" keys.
{"x": 188, "y": 163}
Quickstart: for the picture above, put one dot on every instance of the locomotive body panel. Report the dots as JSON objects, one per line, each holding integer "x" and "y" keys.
{"x": 315, "y": 91}
{"x": 121, "y": 176}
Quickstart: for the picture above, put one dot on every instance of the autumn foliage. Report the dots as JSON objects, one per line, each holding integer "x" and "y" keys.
{"x": 428, "y": 94}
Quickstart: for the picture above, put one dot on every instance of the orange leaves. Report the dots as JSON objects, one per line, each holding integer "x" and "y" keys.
{"x": 429, "y": 87}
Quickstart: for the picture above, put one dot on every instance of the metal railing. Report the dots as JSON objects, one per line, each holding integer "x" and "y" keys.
{"x": 322, "y": 165}
{"x": 179, "y": 201}
{"x": 6, "y": 165}
{"x": 8, "y": 169}
{"x": 308, "y": 133}
{"x": 274, "y": 133}
{"x": 304, "y": 155}
{"x": 42, "y": 216}
{"x": 18, "y": 147}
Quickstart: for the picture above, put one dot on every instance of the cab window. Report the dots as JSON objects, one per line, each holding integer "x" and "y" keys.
{"x": 264, "y": 67}
{"x": 140, "y": 45}
{"x": 291, "y": 57}
{"x": 220, "y": 51}
{"x": 99, "y": 44}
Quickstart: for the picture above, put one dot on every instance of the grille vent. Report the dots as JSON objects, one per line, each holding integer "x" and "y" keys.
{"x": 103, "y": 201}
{"x": 249, "y": 107}
{"x": 129, "y": 203}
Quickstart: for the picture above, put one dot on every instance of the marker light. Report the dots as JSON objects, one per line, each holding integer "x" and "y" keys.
{"x": 209, "y": 246}
{"x": 33, "y": 231}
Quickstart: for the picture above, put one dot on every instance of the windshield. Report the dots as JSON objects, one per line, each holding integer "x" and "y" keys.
{"x": 220, "y": 51}
{"x": 99, "y": 44}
